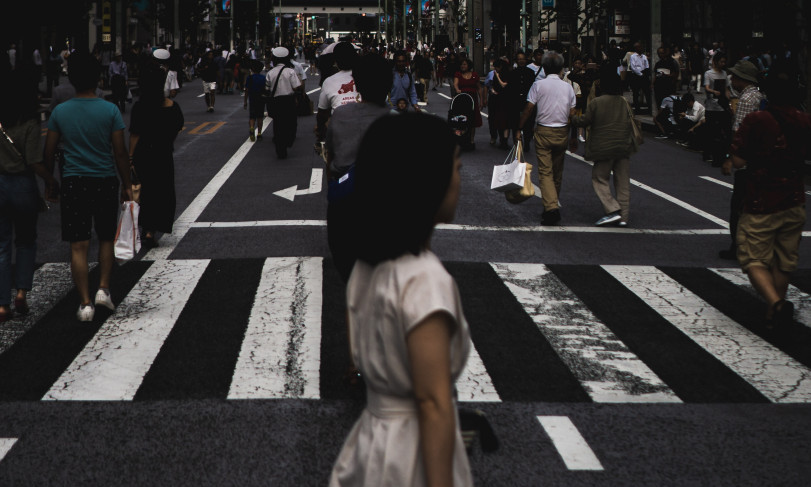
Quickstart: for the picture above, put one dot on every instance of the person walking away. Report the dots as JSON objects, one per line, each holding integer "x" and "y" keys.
{"x": 154, "y": 124}
{"x": 773, "y": 144}
{"x": 467, "y": 81}
{"x": 744, "y": 79}
{"x": 253, "y": 101}
{"x": 283, "y": 83}
{"x": 118, "y": 82}
{"x": 719, "y": 120}
{"x": 610, "y": 145}
{"x": 208, "y": 71}
{"x": 639, "y": 70}
{"x": 171, "y": 85}
{"x": 555, "y": 102}
{"x": 695, "y": 66}
{"x": 408, "y": 333}
{"x": 337, "y": 90}
{"x": 423, "y": 70}
{"x": 498, "y": 104}
{"x": 20, "y": 159}
{"x": 519, "y": 83}
{"x": 402, "y": 85}
{"x": 93, "y": 134}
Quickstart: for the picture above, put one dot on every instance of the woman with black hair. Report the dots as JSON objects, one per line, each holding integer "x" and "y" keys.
{"x": 610, "y": 145}
{"x": 408, "y": 334}
{"x": 20, "y": 158}
{"x": 154, "y": 125}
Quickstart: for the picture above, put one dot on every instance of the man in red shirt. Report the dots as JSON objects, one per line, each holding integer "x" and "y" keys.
{"x": 773, "y": 144}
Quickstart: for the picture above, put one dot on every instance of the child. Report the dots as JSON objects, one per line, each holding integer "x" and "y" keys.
{"x": 253, "y": 93}
{"x": 402, "y": 105}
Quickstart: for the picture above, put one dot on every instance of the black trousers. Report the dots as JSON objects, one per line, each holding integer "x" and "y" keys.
{"x": 640, "y": 84}
{"x": 285, "y": 122}
{"x": 717, "y": 135}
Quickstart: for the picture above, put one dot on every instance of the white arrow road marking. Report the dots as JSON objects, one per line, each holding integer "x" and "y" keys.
{"x": 5, "y": 446}
{"x": 314, "y": 188}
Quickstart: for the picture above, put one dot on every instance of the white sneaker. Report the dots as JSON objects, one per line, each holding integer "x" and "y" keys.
{"x": 581, "y": 138}
{"x": 103, "y": 299}
{"x": 86, "y": 312}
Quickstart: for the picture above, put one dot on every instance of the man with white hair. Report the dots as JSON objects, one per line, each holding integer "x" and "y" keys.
{"x": 555, "y": 101}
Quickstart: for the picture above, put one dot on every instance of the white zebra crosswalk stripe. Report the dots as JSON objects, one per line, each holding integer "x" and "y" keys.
{"x": 607, "y": 369}
{"x": 475, "y": 384}
{"x": 52, "y": 282}
{"x": 280, "y": 355}
{"x": 112, "y": 366}
{"x": 5, "y": 446}
{"x": 801, "y": 300}
{"x": 774, "y": 374}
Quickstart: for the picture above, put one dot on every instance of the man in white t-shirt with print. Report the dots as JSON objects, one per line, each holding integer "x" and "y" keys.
{"x": 555, "y": 101}
{"x": 338, "y": 89}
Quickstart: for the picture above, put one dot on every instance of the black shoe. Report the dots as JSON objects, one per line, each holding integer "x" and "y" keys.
{"x": 728, "y": 254}
{"x": 782, "y": 317}
{"x": 551, "y": 217}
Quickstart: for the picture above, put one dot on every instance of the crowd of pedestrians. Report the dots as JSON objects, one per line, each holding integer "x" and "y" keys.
{"x": 408, "y": 336}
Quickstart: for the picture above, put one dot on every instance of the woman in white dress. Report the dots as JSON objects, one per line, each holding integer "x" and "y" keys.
{"x": 408, "y": 335}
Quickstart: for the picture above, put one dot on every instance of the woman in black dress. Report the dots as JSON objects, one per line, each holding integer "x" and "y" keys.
{"x": 154, "y": 125}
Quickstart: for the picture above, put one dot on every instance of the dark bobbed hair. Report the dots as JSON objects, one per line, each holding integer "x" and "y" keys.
{"x": 372, "y": 76}
{"x": 781, "y": 85}
{"x": 150, "y": 85}
{"x": 688, "y": 97}
{"x": 399, "y": 187}
{"x": 83, "y": 71}
{"x": 610, "y": 81}
{"x": 18, "y": 98}
{"x": 345, "y": 55}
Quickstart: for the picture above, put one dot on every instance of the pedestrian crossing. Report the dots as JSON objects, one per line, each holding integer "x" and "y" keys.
{"x": 275, "y": 329}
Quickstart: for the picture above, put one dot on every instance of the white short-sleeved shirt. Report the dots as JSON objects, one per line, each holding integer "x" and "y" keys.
{"x": 553, "y": 98}
{"x": 289, "y": 82}
{"x": 338, "y": 90}
{"x": 385, "y": 303}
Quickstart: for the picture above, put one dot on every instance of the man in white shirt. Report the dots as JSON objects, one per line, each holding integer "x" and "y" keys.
{"x": 639, "y": 71}
{"x": 555, "y": 102}
{"x": 282, "y": 82}
{"x": 535, "y": 65}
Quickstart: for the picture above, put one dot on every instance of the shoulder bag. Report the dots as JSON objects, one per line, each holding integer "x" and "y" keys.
{"x": 637, "y": 131}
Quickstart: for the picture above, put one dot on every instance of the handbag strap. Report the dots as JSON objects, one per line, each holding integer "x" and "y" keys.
{"x": 10, "y": 141}
{"x": 510, "y": 156}
{"x": 276, "y": 84}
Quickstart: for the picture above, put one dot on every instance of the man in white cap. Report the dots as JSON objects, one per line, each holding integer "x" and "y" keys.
{"x": 171, "y": 86}
{"x": 282, "y": 82}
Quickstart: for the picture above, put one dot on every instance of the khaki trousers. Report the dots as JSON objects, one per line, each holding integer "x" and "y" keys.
{"x": 600, "y": 174}
{"x": 550, "y": 148}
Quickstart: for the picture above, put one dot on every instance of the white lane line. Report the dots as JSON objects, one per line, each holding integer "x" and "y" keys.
{"x": 728, "y": 185}
{"x": 112, "y": 366}
{"x": 195, "y": 209}
{"x": 666, "y": 196}
{"x": 717, "y": 181}
{"x": 313, "y": 91}
{"x": 5, "y": 446}
{"x": 474, "y": 228}
{"x": 475, "y": 384}
{"x": 607, "y": 369}
{"x": 801, "y": 300}
{"x": 52, "y": 282}
{"x": 776, "y": 375}
{"x": 572, "y": 447}
{"x": 281, "y": 353}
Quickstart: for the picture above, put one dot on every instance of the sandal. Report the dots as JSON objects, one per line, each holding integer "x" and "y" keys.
{"x": 5, "y": 315}
{"x": 782, "y": 314}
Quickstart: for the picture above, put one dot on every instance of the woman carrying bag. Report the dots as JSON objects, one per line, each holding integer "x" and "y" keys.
{"x": 610, "y": 145}
{"x": 20, "y": 158}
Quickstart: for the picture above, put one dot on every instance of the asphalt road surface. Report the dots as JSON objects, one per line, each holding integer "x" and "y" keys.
{"x": 603, "y": 356}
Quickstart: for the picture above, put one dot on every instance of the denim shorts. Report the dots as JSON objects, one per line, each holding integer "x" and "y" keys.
{"x": 86, "y": 203}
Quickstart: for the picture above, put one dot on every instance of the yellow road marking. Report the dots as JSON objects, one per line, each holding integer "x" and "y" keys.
{"x": 199, "y": 130}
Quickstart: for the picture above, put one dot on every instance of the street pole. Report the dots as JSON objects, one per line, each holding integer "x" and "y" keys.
{"x": 405, "y": 23}
{"x": 435, "y": 5}
{"x": 212, "y": 20}
{"x": 256, "y": 35}
{"x": 378, "y": 23}
{"x": 524, "y": 25}
{"x": 231, "y": 22}
{"x": 177, "y": 24}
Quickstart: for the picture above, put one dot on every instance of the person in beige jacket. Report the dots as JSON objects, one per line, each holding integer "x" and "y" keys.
{"x": 610, "y": 145}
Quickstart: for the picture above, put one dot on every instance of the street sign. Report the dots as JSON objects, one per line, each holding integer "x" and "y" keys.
{"x": 547, "y": 3}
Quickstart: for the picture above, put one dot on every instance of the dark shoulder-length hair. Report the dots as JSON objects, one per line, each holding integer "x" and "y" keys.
{"x": 151, "y": 84}
{"x": 400, "y": 186}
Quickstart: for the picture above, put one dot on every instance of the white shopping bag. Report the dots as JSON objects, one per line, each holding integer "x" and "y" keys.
{"x": 508, "y": 177}
{"x": 127, "y": 239}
